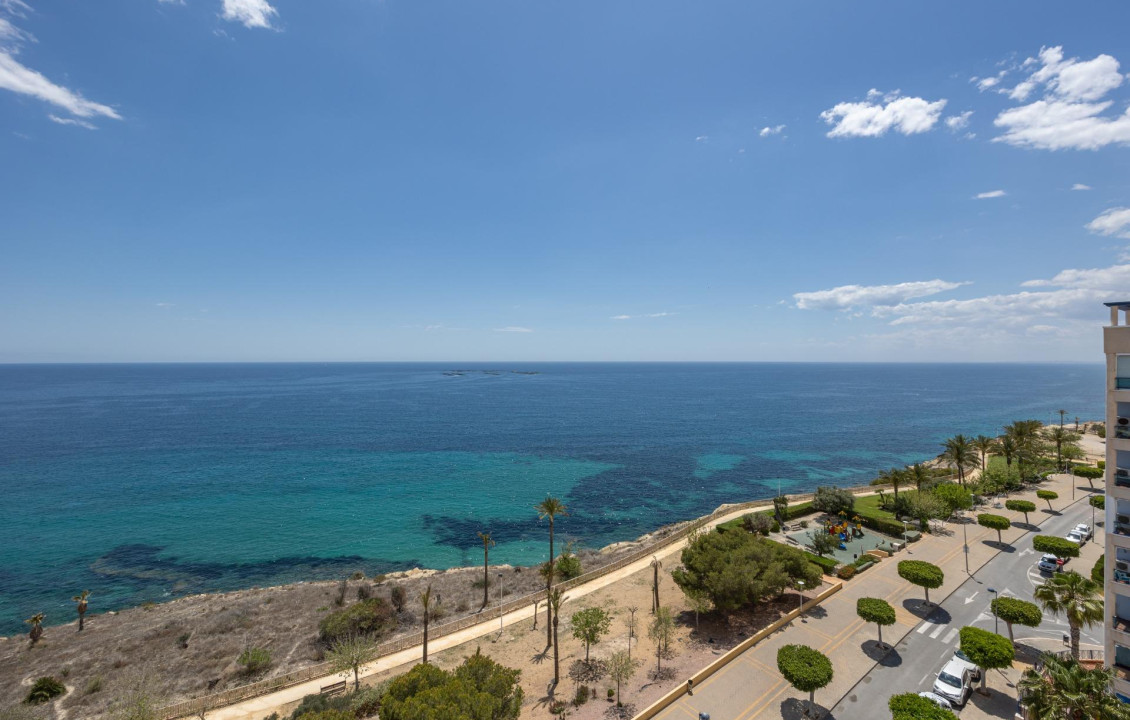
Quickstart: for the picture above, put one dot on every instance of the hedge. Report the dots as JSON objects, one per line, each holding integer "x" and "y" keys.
{"x": 1060, "y": 547}
{"x": 882, "y": 524}
{"x": 827, "y": 564}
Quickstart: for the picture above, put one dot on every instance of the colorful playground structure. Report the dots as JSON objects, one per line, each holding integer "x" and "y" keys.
{"x": 844, "y": 530}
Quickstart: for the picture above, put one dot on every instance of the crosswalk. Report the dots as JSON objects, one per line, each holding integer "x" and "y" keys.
{"x": 933, "y": 630}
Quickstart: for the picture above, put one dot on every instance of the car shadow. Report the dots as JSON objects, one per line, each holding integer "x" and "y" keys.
{"x": 932, "y": 612}
{"x": 884, "y": 654}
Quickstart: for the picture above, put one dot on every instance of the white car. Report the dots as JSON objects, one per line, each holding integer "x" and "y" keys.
{"x": 959, "y": 656}
{"x": 936, "y": 699}
{"x": 1049, "y": 563}
{"x": 1085, "y": 530}
{"x": 954, "y": 683}
{"x": 1076, "y": 537}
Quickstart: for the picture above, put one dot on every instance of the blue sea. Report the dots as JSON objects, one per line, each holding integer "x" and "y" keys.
{"x": 145, "y": 482}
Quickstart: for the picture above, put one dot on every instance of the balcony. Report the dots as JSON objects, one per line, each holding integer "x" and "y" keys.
{"x": 1122, "y": 383}
{"x": 1122, "y": 477}
{"x": 1121, "y": 525}
{"x": 1122, "y": 432}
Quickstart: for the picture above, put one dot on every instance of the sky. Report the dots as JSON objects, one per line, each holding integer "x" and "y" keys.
{"x": 355, "y": 180}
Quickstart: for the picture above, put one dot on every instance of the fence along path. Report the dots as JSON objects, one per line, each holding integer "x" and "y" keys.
{"x": 263, "y": 687}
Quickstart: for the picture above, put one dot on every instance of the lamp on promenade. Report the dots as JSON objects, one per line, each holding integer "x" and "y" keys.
{"x": 964, "y": 540}
{"x": 500, "y": 613}
{"x": 800, "y": 597}
{"x": 996, "y": 620}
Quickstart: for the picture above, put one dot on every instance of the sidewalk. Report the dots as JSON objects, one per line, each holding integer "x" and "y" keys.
{"x": 751, "y": 687}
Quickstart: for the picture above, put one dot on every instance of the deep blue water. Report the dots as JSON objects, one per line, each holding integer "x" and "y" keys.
{"x": 141, "y": 482}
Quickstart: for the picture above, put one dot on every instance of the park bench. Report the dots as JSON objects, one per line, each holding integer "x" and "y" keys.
{"x": 336, "y": 689}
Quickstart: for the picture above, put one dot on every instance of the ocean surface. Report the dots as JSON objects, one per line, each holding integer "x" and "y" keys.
{"x": 144, "y": 482}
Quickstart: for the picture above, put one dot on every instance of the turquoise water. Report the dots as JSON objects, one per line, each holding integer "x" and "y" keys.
{"x": 142, "y": 482}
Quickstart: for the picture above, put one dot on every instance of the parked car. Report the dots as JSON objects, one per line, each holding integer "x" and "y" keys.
{"x": 1076, "y": 537}
{"x": 1085, "y": 530}
{"x": 974, "y": 671}
{"x": 1050, "y": 563}
{"x": 936, "y": 699}
{"x": 954, "y": 682}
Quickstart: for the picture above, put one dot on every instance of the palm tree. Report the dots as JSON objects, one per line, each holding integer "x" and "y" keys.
{"x": 918, "y": 475}
{"x": 550, "y": 508}
{"x": 555, "y": 600}
{"x": 894, "y": 478}
{"x": 959, "y": 454}
{"x": 487, "y": 544}
{"x": 1061, "y": 414}
{"x": 430, "y": 607}
{"x": 1078, "y": 598}
{"x": 1023, "y": 433}
{"x": 1061, "y": 437}
{"x": 36, "y": 622}
{"x": 80, "y": 605}
{"x": 655, "y": 565}
{"x": 1007, "y": 448}
{"x": 1065, "y": 689}
{"x": 984, "y": 445}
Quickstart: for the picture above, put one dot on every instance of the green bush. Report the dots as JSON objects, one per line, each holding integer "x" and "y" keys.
{"x": 254, "y": 660}
{"x": 757, "y": 523}
{"x": 568, "y": 566}
{"x": 45, "y": 689}
{"x": 799, "y": 510}
{"x": 426, "y": 691}
{"x": 1098, "y": 502}
{"x": 826, "y": 564}
{"x": 1060, "y": 547}
{"x": 833, "y": 500}
{"x": 1101, "y": 464}
{"x": 373, "y": 617}
{"x": 846, "y": 572}
{"x": 911, "y": 706}
{"x": 1098, "y": 571}
{"x": 367, "y": 701}
{"x": 884, "y": 525}
{"x": 312, "y": 705}
{"x": 955, "y": 497}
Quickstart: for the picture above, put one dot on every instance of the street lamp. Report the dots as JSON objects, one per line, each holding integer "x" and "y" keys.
{"x": 800, "y": 596}
{"x": 964, "y": 541}
{"x": 996, "y": 620}
{"x": 500, "y": 613}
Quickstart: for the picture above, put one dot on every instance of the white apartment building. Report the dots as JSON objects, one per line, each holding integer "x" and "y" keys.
{"x": 1116, "y": 345}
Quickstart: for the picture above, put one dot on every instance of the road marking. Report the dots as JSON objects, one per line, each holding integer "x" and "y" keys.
{"x": 949, "y": 636}
{"x": 937, "y": 632}
{"x": 1026, "y": 551}
{"x": 925, "y": 626}
{"x": 970, "y": 598}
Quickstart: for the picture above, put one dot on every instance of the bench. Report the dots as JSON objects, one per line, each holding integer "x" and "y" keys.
{"x": 337, "y": 688}
{"x": 913, "y": 535}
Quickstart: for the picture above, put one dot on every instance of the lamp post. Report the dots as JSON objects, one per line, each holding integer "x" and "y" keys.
{"x": 996, "y": 620}
{"x": 964, "y": 541}
{"x": 800, "y": 597}
{"x": 500, "y": 613}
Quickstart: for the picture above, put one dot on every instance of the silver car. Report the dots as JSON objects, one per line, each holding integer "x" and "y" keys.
{"x": 954, "y": 683}
{"x": 974, "y": 671}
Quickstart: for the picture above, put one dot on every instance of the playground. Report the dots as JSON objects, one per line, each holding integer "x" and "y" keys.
{"x": 852, "y": 539}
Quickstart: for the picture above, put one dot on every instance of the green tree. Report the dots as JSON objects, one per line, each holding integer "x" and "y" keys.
{"x": 1026, "y": 444}
{"x": 832, "y": 500}
{"x": 1007, "y": 448}
{"x": 1048, "y": 495}
{"x": 621, "y": 668}
{"x": 986, "y": 650}
{"x": 875, "y": 610}
{"x": 923, "y": 574}
{"x": 1060, "y": 547}
{"x": 984, "y": 445}
{"x": 954, "y": 497}
{"x": 373, "y": 617}
{"x": 81, "y": 602}
{"x": 488, "y": 543}
{"x": 590, "y": 625}
{"x": 919, "y": 475}
{"x": 735, "y": 570}
{"x": 1065, "y": 689}
{"x": 1090, "y": 473}
{"x": 893, "y": 477}
{"x": 479, "y": 689}
{"x": 1077, "y": 598}
{"x": 781, "y": 509}
{"x": 549, "y": 509}
{"x": 823, "y": 542}
{"x": 1098, "y": 571}
{"x": 959, "y": 454}
{"x": 661, "y": 629}
{"x": 1061, "y": 438}
{"x": 1015, "y": 611}
{"x": 1021, "y": 506}
{"x": 805, "y": 669}
{"x": 994, "y": 522}
{"x": 912, "y": 706}
{"x": 36, "y": 623}
{"x": 351, "y": 654}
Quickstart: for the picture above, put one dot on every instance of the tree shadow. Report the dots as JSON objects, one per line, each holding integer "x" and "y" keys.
{"x": 539, "y": 658}
{"x": 1030, "y": 527}
{"x": 797, "y": 709}
{"x": 1050, "y": 512}
{"x": 817, "y": 612}
{"x": 1001, "y": 546}
{"x": 932, "y": 612}
{"x": 886, "y": 655}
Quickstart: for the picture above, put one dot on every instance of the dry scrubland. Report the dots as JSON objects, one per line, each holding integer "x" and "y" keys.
{"x": 190, "y": 645}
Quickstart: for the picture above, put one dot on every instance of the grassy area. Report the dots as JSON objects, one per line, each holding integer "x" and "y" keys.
{"x": 868, "y": 506}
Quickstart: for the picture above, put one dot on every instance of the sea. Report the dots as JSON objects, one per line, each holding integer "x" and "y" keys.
{"x": 142, "y": 483}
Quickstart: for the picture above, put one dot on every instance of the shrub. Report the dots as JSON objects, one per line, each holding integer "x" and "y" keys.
{"x": 884, "y": 525}
{"x": 397, "y": 596}
{"x": 736, "y": 569}
{"x": 93, "y": 685}
{"x": 833, "y": 500}
{"x": 1098, "y": 502}
{"x": 313, "y": 705}
{"x": 1021, "y": 506}
{"x": 1060, "y": 547}
{"x": 804, "y": 524}
{"x": 846, "y": 572}
{"x": 923, "y": 574}
{"x": 364, "y": 591}
{"x": 372, "y": 617}
{"x": 826, "y": 565}
{"x": 757, "y": 523}
{"x": 45, "y": 689}
{"x": 1098, "y": 571}
{"x": 824, "y": 543}
{"x": 479, "y": 683}
{"x": 254, "y": 660}
{"x": 1100, "y": 430}
{"x": 1101, "y": 464}
{"x": 954, "y": 497}
{"x": 366, "y": 701}
{"x": 994, "y": 522}
{"x": 568, "y": 566}
{"x": 911, "y": 706}
{"x": 582, "y": 695}
{"x": 776, "y": 526}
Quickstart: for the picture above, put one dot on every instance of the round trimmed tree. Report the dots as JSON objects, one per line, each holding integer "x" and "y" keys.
{"x": 1021, "y": 506}
{"x": 986, "y": 650}
{"x": 875, "y": 610}
{"x": 1098, "y": 502}
{"x": 923, "y": 574}
{"x": 805, "y": 669}
{"x": 1090, "y": 473}
{"x": 1016, "y": 611}
{"x": 912, "y": 706}
{"x": 1060, "y": 547}
{"x": 1048, "y": 495}
{"x": 994, "y": 522}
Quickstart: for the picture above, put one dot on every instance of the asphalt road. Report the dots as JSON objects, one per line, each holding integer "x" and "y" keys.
{"x": 914, "y": 663}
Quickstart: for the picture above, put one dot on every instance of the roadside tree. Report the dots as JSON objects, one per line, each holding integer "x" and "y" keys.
{"x": 923, "y": 574}
{"x": 987, "y": 651}
{"x": 875, "y": 610}
{"x": 805, "y": 669}
{"x": 1015, "y": 611}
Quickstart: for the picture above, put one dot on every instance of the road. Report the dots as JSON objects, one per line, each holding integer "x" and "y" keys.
{"x": 913, "y": 664}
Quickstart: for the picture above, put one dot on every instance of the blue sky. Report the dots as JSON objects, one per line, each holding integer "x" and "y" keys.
{"x": 385, "y": 180}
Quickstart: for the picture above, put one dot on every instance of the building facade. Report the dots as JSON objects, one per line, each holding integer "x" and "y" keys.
{"x": 1116, "y": 345}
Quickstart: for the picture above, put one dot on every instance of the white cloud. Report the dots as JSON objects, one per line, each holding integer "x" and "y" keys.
{"x": 958, "y": 122}
{"x": 1071, "y": 113}
{"x": 1115, "y": 221}
{"x": 702, "y": 138}
{"x": 878, "y": 115}
{"x": 71, "y": 121}
{"x": 771, "y": 130}
{"x": 251, "y": 13}
{"x": 990, "y": 194}
{"x": 513, "y": 329}
{"x": 1080, "y": 186}
{"x": 620, "y": 317}
{"x": 647, "y": 315}
{"x": 849, "y": 296}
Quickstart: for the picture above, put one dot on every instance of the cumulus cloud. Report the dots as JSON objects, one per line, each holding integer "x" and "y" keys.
{"x": 771, "y": 130}
{"x": 851, "y": 296}
{"x": 514, "y": 329}
{"x": 958, "y": 122}
{"x": 1071, "y": 114}
{"x": 1115, "y": 221}
{"x": 990, "y": 194}
{"x": 879, "y": 114}
{"x": 1080, "y": 186}
{"x": 250, "y": 13}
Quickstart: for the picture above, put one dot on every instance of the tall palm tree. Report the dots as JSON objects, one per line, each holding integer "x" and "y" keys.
{"x": 550, "y": 508}
{"x": 1065, "y": 689}
{"x": 893, "y": 477}
{"x": 430, "y": 603}
{"x": 1078, "y": 598}
{"x": 959, "y": 454}
{"x": 918, "y": 475}
{"x": 1062, "y": 438}
{"x": 1062, "y": 413}
{"x": 655, "y": 566}
{"x": 487, "y": 544}
{"x": 1025, "y": 437}
{"x": 555, "y": 601}
{"x": 36, "y": 622}
{"x": 80, "y": 605}
{"x": 984, "y": 445}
